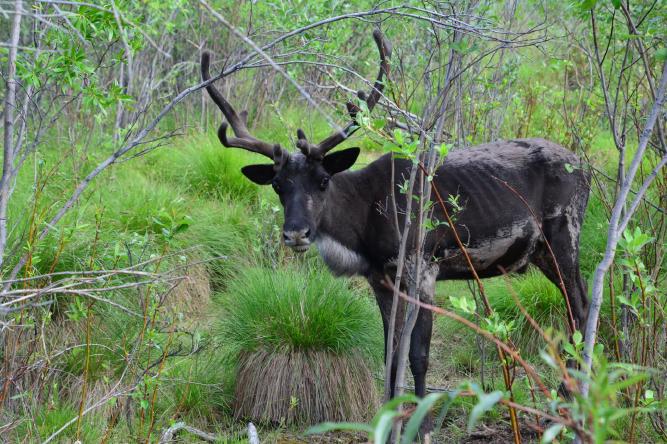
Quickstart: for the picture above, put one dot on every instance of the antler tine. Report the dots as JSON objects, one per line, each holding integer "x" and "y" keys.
{"x": 384, "y": 48}
{"x": 243, "y": 138}
{"x": 279, "y": 157}
{"x": 302, "y": 143}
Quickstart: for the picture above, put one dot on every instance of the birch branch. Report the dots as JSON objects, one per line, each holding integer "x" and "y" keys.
{"x": 10, "y": 105}
{"x": 616, "y": 225}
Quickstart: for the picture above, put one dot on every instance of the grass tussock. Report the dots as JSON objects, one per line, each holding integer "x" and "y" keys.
{"x": 302, "y": 342}
{"x": 304, "y": 387}
{"x": 298, "y": 309}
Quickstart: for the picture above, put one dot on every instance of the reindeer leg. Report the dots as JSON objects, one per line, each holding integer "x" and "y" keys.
{"x": 563, "y": 236}
{"x": 420, "y": 342}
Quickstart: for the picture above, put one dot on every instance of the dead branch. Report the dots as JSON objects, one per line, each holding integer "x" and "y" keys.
{"x": 168, "y": 435}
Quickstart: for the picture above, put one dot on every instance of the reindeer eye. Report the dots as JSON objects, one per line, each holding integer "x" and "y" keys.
{"x": 324, "y": 183}
{"x": 276, "y": 186}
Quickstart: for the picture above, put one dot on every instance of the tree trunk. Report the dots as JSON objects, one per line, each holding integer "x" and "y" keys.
{"x": 8, "y": 148}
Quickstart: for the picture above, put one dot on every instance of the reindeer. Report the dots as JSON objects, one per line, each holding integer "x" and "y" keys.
{"x": 519, "y": 199}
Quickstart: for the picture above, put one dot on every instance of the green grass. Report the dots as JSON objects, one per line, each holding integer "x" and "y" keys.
{"x": 197, "y": 388}
{"x": 206, "y": 168}
{"x": 51, "y": 417}
{"x": 190, "y": 194}
{"x": 542, "y": 300}
{"x": 539, "y": 296}
{"x": 593, "y": 238}
{"x": 136, "y": 202}
{"x": 132, "y": 212}
{"x": 297, "y": 309}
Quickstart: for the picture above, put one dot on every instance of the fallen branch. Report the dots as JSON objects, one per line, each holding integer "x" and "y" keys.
{"x": 168, "y": 435}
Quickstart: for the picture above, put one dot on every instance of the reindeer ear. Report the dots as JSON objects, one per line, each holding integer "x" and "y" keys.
{"x": 340, "y": 160}
{"x": 260, "y": 174}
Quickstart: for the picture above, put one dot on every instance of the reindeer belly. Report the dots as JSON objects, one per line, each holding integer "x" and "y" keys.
{"x": 508, "y": 248}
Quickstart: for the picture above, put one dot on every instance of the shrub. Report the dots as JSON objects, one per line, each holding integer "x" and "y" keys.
{"x": 542, "y": 300}
{"x": 538, "y": 295}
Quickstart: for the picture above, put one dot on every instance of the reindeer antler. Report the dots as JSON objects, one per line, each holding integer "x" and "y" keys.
{"x": 243, "y": 138}
{"x": 319, "y": 151}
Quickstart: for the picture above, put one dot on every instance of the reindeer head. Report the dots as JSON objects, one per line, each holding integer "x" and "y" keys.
{"x": 301, "y": 179}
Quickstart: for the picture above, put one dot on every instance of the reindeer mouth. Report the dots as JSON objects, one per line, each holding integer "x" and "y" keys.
{"x": 301, "y": 248}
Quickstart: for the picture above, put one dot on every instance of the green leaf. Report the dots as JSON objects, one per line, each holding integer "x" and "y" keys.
{"x": 398, "y": 136}
{"x": 629, "y": 381}
{"x": 616, "y": 3}
{"x": 423, "y": 407}
{"x": 443, "y": 150}
{"x": 378, "y": 124}
{"x": 181, "y": 227}
{"x": 587, "y": 4}
{"x": 661, "y": 54}
{"x": 388, "y": 146}
{"x": 383, "y": 426}
{"x": 463, "y": 303}
{"x": 569, "y": 349}
{"x": 598, "y": 348}
{"x": 551, "y": 433}
{"x": 569, "y": 168}
{"x": 393, "y": 403}
{"x": 486, "y": 403}
{"x": 444, "y": 408}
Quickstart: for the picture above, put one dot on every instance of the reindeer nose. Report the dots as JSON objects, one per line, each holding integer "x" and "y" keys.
{"x": 296, "y": 236}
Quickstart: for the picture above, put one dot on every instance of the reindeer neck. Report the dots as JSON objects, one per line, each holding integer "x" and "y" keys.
{"x": 345, "y": 217}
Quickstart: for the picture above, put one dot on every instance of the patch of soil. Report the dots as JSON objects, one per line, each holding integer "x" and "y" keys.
{"x": 336, "y": 438}
{"x": 498, "y": 434}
